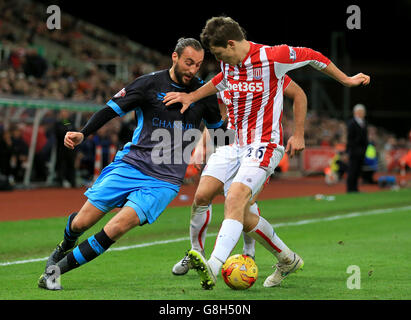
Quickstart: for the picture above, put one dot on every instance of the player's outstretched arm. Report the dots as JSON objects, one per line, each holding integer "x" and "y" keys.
{"x": 359, "y": 79}
{"x": 288, "y": 58}
{"x": 97, "y": 120}
{"x": 188, "y": 98}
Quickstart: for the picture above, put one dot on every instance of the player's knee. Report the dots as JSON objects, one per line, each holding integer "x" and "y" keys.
{"x": 114, "y": 230}
{"x": 79, "y": 224}
{"x": 238, "y": 194}
{"x": 202, "y": 199}
{"x": 235, "y": 205}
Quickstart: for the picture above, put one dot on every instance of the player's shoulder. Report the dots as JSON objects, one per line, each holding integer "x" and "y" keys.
{"x": 279, "y": 48}
{"x": 154, "y": 76}
{"x": 148, "y": 78}
{"x": 280, "y": 52}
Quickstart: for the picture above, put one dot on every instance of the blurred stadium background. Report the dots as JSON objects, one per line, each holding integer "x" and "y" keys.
{"x": 53, "y": 80}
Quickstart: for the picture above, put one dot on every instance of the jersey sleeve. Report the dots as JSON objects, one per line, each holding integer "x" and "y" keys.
{"x": 211, "y": 115}
{"x": 219, "y": 82}
{"x": 287, "y": 58}
{"x": 287, "y": 81}
{"x": 130, "y": 97}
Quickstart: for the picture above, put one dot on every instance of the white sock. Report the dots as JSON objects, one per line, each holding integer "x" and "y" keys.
{"x": 249, "y": 242}
{"x": 264, "y": 233}
{"x": 227, "y": 238}
{"x": 200, "y": 219}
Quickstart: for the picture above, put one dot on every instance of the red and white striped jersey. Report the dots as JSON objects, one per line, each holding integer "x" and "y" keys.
{"x": 255, "y": 88}
{"x": 224, "y": 97}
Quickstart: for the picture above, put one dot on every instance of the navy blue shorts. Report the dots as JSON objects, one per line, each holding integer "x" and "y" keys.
{"x": 122, "y": 185}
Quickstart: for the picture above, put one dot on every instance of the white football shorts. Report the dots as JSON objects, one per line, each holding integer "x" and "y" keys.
{"x": 248, "y": 164}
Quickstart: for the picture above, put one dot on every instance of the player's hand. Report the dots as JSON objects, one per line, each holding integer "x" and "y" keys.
{"x": 357, "y": 80}
{"x": 175, "y": 97}
{"x": 73, "y": 139}
{"x": 198, "y": 158}
{"x": 295, "y": 145}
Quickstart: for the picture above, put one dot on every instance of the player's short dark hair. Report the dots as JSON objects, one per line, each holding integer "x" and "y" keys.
{"x": 183, "y": 43}
{"x": 218, "y": 30}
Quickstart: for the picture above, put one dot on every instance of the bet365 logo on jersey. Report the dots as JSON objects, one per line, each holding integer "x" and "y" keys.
{"x": 246, "y": 86}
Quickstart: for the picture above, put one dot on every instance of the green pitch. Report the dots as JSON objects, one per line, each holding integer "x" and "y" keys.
{"x": 370, "y": 231}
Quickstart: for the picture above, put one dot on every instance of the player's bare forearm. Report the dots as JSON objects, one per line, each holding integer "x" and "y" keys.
{"x": 297, "y": 94}
{"x": 335, "y": 73}
{"x": 206, "y": 90}
{"x": 300, "y": 113}
{"x": 296, "y": 143}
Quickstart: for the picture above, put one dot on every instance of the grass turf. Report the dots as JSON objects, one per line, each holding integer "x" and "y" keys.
{"x": 377, "y": 243}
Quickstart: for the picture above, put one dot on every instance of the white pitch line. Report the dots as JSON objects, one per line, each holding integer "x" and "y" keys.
{"x": 284, "y": 224}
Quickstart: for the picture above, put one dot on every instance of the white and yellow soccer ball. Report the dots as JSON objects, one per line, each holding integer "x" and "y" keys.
{"x": 239, "y": 272}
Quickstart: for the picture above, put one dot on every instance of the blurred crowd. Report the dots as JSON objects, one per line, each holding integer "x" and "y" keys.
{"x": 72, "y": 167}
{"x": 27, "y": 71}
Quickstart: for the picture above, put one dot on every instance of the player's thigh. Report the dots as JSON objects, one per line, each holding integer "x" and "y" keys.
{"x": 222, "y": 165}
{"x": 207, "y": 189}
{"x": 255, "y": 196}
{"x": 258, "y": 163}
{"x": 125, "y": 220}
{"x": 251, "y": 177}
{"x": 86, "y": 217}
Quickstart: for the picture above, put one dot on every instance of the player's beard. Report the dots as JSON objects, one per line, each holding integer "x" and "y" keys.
{"x": 180, "y": 76}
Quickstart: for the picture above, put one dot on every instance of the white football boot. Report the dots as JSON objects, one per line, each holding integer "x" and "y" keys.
{"x": 283, "y": 270}
{"x": 182, "y": 267}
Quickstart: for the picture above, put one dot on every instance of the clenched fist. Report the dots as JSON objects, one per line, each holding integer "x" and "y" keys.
{"x": 73, "y": 139}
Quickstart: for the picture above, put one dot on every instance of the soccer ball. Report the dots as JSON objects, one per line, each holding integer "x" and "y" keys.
{"x": 239, "y": 272}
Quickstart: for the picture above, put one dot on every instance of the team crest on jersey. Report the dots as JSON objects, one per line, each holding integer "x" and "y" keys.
{"x": 293, "y": 55}
{"x": 121, "y": 93}
{"x": 257, "y": 73}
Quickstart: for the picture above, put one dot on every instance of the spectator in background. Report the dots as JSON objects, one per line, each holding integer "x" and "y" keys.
{"x": 65, "y": 158}
{"x": 39, "y": 161}
{"x": 16, "y": 58}
{"x": 6, "y": 151}
{"x": 85, "y": 160}
{"x": 357, "y": 142}
{"x": 19, "y": 153}
{"x": 5, "y": 157}
{"x": 337, "y": 169}
{"x": 103, "y": 138}
{"x": 370, "y": 166}
{"x": 34, "y": 64}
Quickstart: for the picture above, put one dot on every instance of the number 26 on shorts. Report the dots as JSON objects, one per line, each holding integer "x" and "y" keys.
{"x": 256, "y": 153}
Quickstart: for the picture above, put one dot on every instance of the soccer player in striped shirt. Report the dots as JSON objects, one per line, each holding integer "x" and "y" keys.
{"x": 217, "y": 177}
{"x": 254, "y": 75}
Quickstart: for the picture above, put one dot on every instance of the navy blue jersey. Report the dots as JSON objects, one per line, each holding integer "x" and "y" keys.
{"x": 163, "y": 135}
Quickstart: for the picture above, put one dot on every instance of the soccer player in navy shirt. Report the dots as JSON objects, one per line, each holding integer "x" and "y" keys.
{"x": 146, "y": 174}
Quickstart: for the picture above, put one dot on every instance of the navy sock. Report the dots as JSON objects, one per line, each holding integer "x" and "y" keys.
{"x": 70, "y": 237}
{"x": 85, "y": 251}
